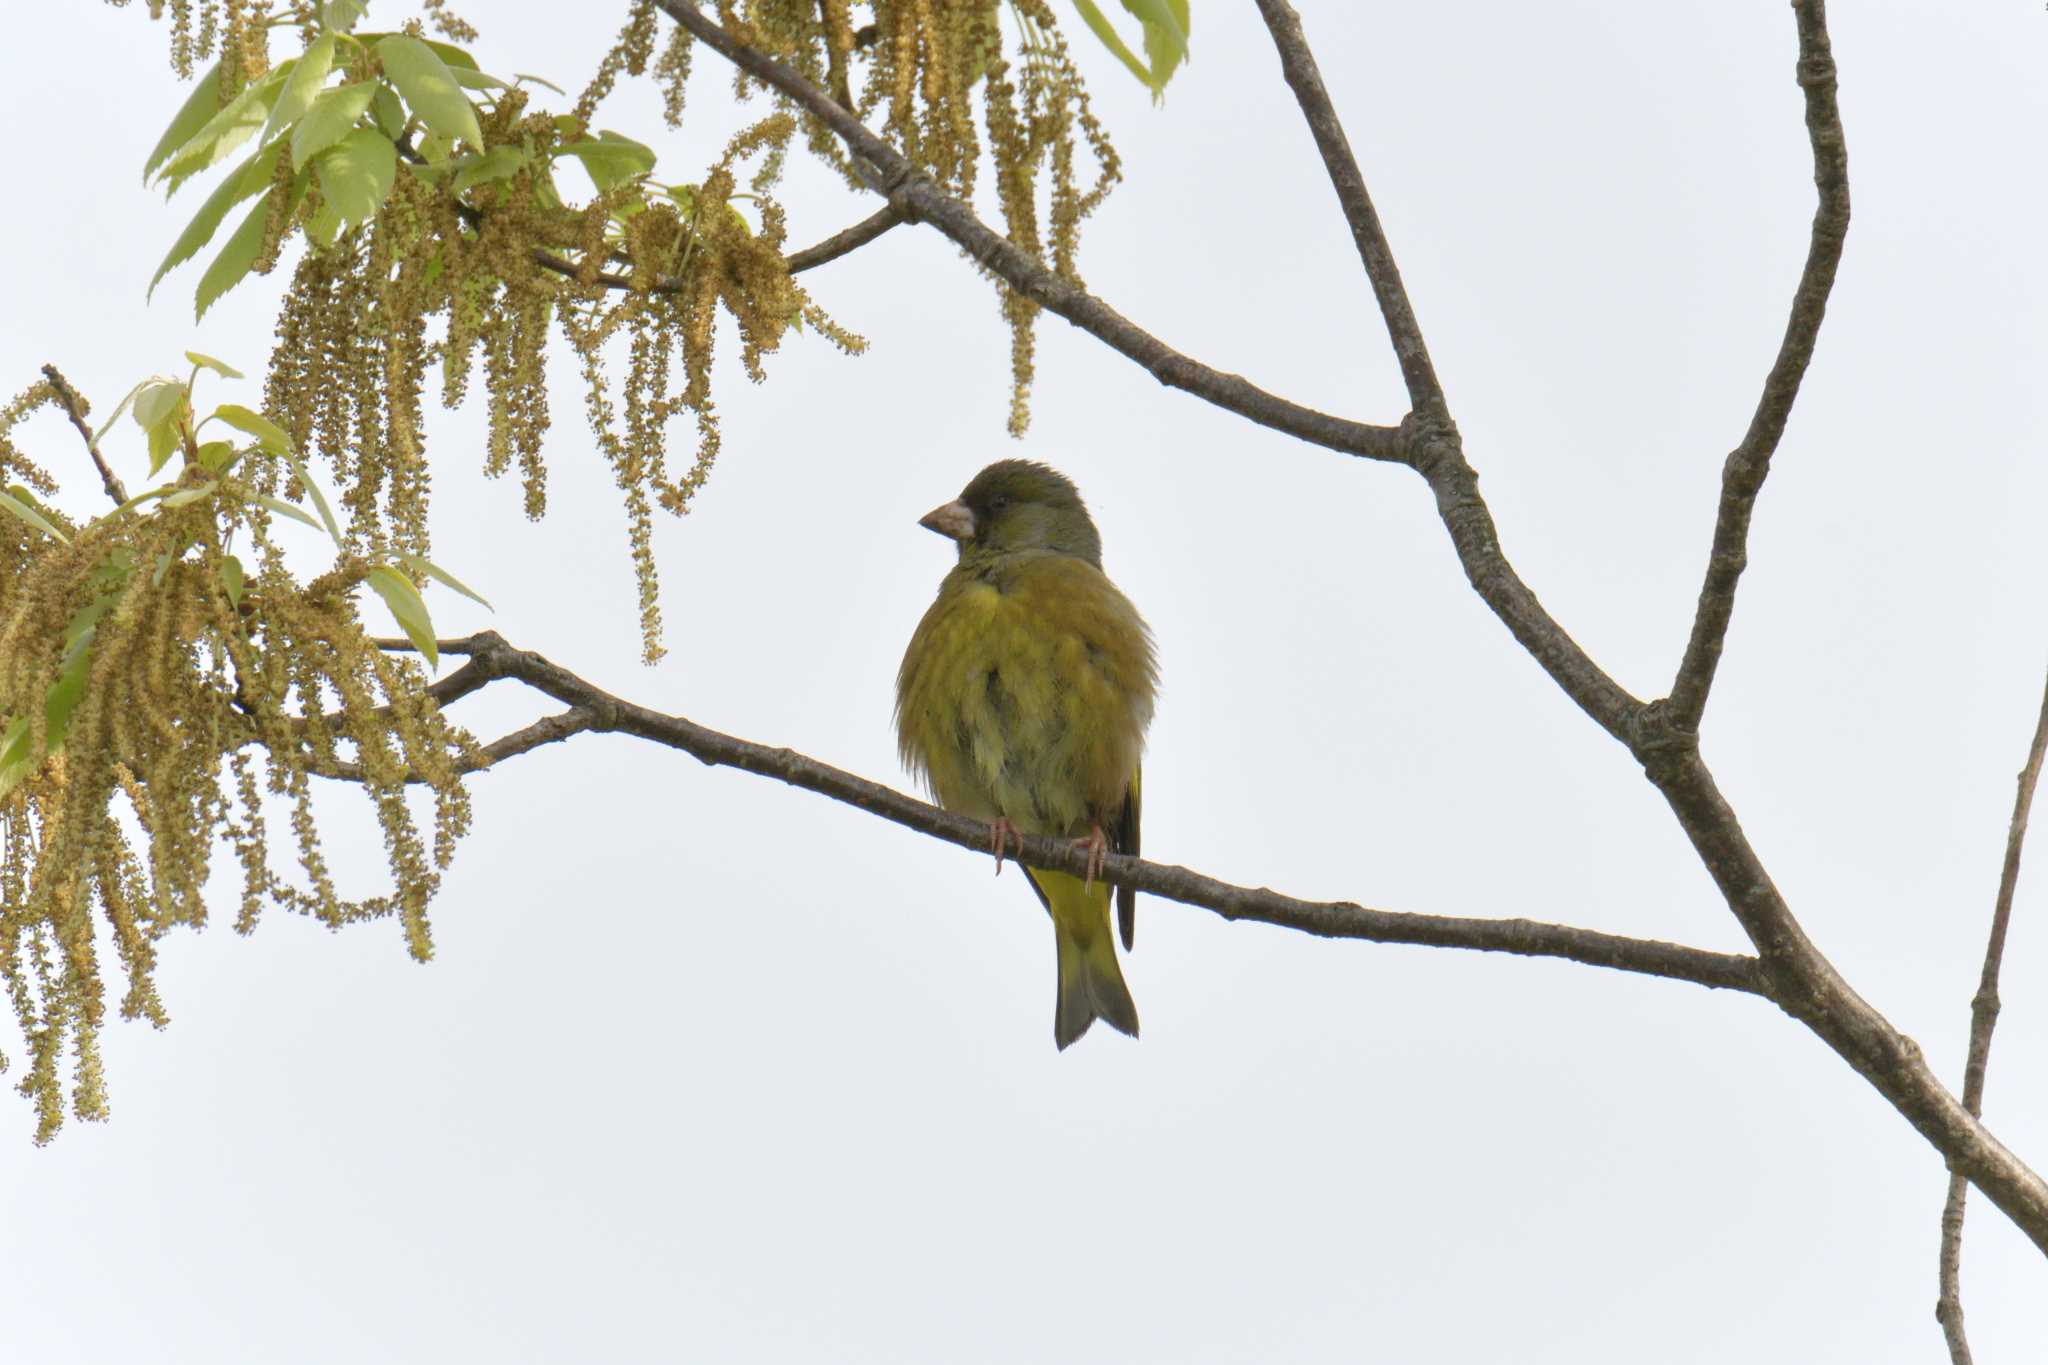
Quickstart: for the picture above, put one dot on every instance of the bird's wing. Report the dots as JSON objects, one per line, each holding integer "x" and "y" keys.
{"x": 1124, "y": 839}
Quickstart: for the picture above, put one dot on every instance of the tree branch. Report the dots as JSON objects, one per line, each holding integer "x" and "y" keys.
{"x": 1742, "y": 476}
{"x": 74, "y": 408}
{"x": 593, "y": 709}
{"x": 1801, "y": 980}
{"x": 917, "y": 199}
{"x": 1298, "y": 64}
{"x": 848, "y": 240}
{"x": 1948, "y": 1309}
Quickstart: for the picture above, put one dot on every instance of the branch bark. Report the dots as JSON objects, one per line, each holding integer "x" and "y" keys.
{"x": 1742, "y": 476}
{"x": 592, "y": 709}
{"x": 1948, "y": 1308}
{"x": 74, "y": 408}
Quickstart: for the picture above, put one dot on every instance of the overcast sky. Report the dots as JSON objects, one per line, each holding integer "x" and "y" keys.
{"x": 707, "y": 1069}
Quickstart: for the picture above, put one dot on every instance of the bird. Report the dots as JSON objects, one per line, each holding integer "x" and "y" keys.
{"x": 1023, "y": 700}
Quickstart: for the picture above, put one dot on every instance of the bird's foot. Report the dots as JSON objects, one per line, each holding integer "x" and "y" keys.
{"x": 1097, "y": 844}
{"x": 1001, "y": 834}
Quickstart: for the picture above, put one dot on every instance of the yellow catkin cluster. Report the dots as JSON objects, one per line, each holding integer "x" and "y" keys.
{"x": 918, "y": 69}
{"x": 499, "y": 269}
{"x": 192, "y": 710}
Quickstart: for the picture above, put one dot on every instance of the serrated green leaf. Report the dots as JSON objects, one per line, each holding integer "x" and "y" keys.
{"x": 199, "y": 108}
{"x": 251, "y": 177}
{"x": 219, "y": 367}
{"x": 163, "y": 441}
{"x": 303, "y": 85}
{"x": 330, "y": 118}
{"x": 285, "y": 509}
{"x": 28, "y": 513}
{"x": 225, "y": 131}
{"x": 157, "y": 401}
{"x": 119, "y": 408}
{"x": 267, "y": 433}
{"x": 499, "y": 163}
{"x": 232, "y": 578}
{"x": 356, "y": 174}
{"x": 406, "y": 605}
{"x": 611, "y": 158}
{"x": 440, "y": 575}
{"x": 186, "y": 496}
{"x": 341, "y": 15}
{"x": 235, "y": 258}
{"x": 429, "y": 89}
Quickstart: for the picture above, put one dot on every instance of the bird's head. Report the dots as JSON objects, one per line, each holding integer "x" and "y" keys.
{"x": 1018, "y": 505}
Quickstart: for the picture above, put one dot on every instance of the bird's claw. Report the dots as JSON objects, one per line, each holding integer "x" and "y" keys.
{"x": 1097, "y": 845}
{"x": 1000, "y": 835}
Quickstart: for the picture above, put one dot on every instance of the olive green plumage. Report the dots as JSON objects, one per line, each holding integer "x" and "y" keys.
{"x": 1024, "y": 698}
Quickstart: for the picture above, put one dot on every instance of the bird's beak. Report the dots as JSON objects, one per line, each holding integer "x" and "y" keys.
{"x": 955, "y": 520}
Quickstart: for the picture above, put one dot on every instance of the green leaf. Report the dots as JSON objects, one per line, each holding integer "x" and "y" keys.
{"x": 185, "y": 496}
{"x": 120, "y": 408}
{"x": 477, "y": 80}
{"x": 69, "y": 689}
{"x": 225, "y": 131}
{"x": 423, "y": 78}
{"x": 611, "y": 158}
{"x": 285, "y": 509}
{"x": 439, "y": 575}
{"x": 199, "y": 108}
{"x": 163, "y": 440}
{"x": 232, "y": 578}
{"x": 341, "y": 15}
{"x": 252, "y": 177}
{"x": 27, "y": 512}
{"x": 526, "y": 78}
{"x": 141, "y": 498}
{"x": 217, "y": 457}
{"x": 1165, "y": 23}
{"x": 235, "y": 258}
{"x": 268, "y": 434}
{"x": 219, "y": 367}
{"x": 14, "y": 761}
{"x": 404, "y": 600}
{"x": 299, "y": 90}
{"x": 499, "y": 163}
{"x": 330, "y": 118}
{"x": 389, "y": 111}
{"x": 319, "y": 498}
{"x": 157, "y": 399}
{"x": 356, "y": 174}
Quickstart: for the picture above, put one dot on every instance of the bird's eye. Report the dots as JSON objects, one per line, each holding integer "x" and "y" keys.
{"x": 999, "y": 502}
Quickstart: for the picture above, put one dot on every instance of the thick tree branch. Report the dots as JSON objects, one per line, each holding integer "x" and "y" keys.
{"x": 1298, "y": 64}
{"x": 74, "y": 408}
{"x": 1948, "y": 1308}
{"x": 1742, "y": 476}
{"x": 1802, "y": 981}
{"x": 593, "y": 709}
{"x": 917, "y": 199}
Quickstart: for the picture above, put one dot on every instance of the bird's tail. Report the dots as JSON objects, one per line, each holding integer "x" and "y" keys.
{"x": 1091, "y": 981}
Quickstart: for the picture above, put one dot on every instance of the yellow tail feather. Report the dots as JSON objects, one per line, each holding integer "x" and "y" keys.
{"x": 1091, "y": 980}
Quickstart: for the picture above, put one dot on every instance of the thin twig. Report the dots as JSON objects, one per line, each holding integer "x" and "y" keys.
{"x": 1742, "y": 476}
{"x": 74, "y": 408}
{"x": 1298, "y": 64}
{"x": 594, "y": 710}
{"x": 1948, "y": 1308}
{"x": 847, "y": 240}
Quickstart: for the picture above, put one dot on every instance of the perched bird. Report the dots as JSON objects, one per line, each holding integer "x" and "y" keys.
{"x": 1023, "y": 701}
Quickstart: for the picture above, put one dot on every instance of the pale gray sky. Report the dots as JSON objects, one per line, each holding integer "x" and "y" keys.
{"x": 711, "y": 1070}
